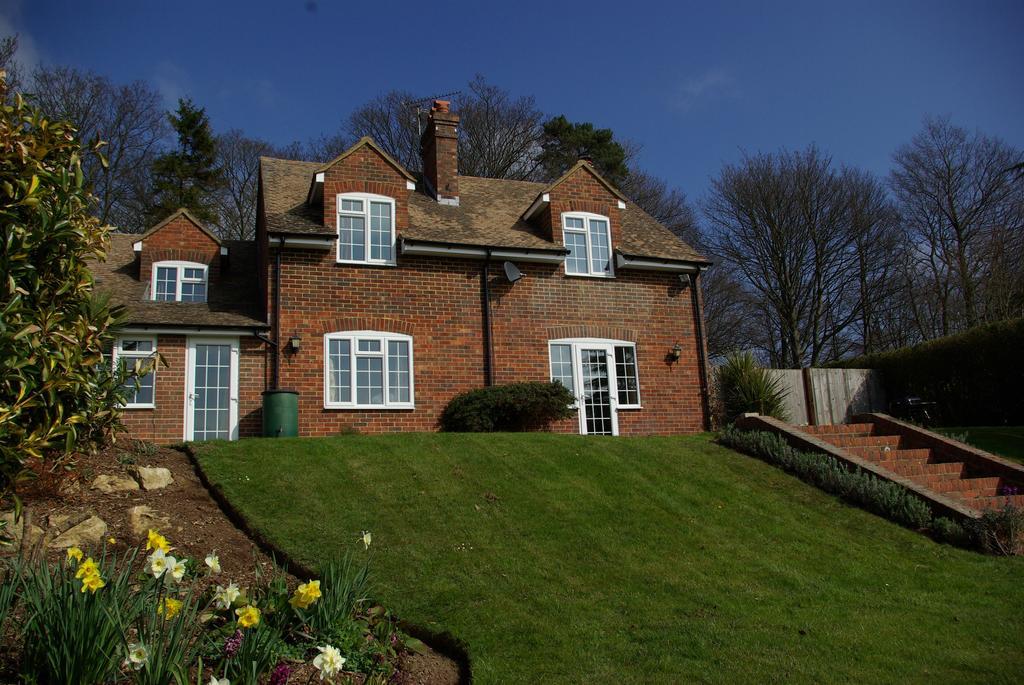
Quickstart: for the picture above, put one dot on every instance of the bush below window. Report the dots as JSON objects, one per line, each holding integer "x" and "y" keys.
{"x": 513, "y": 407}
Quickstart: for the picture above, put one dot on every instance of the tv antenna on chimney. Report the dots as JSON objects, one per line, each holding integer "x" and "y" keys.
{"x": 417, "y": 107}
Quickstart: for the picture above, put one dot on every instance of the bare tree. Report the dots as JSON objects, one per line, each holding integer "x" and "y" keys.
{"x": 9, "y": 65}
{"x": 499, "y": 137}
{"x": 785, "y": 224}
{"x": 668, "y": 205}
{"x": 390, "y": 119}
{"x": 960, "y": 199}
{"x": 130, "y": 118}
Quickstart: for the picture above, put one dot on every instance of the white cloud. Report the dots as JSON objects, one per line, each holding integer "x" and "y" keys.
{"x": 28, "y": 55}
{"x": 172, "y": 82}
{"x": 711, "y": 84}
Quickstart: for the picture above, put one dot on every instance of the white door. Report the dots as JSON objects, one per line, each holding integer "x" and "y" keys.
{"x": 211, "y": 389}
{"x": 598, "y": 398}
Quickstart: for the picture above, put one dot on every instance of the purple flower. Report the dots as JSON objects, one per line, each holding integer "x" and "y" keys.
{"x": 233, "y": 644}
{"x": 279, "y": 676}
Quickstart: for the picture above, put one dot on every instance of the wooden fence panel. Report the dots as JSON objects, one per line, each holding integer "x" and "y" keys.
{"x": 835, "y": 395}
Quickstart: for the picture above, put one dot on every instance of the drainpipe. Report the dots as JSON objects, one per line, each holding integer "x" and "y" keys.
{"x": 488, "y": 333}
{"x": 698, "y": 310}
{"x": 277, "y": 314}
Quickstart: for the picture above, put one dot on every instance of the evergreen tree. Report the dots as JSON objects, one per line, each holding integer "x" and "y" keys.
{"x": 565, "y": 142}
{"x": 187, "y": 176}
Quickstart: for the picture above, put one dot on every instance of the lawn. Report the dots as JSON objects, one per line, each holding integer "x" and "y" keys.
{"x": 568, "y": 559}
{"x": 1006, "y": 441}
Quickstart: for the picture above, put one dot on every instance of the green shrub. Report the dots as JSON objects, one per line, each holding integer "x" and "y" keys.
{"x": 513, "y": 407}
{"x": 57, "y": 391}
{"x": 72, "y": 635}
{"x": 743, "y": 387}
{"x": 974, "y": 377}
{"x": 853, "y": 485}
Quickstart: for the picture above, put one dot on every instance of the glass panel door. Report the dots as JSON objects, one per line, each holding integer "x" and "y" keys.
{"x": 211, "y": 391}
{"x": 597, "y": 409}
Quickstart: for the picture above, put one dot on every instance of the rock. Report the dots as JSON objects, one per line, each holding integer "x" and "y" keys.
{"x": 153, "y": 477}
{"x": 17, "y": 530}
{"x": 114, "y": 484}
{"x": 142, "y": 518}
{"x": 88, "y": 535}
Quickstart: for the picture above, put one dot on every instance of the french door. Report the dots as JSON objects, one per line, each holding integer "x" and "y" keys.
{"x": 595, "y": 369}
{"x": 211, "y": 389}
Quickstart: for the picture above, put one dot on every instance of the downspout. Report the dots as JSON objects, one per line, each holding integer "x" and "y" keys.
{"x": 277, "y": 314}
{"x": 698, "y": 313}
{"x": 488, "y": 333}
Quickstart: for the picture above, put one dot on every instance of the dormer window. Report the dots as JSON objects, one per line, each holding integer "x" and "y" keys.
{"x": 179, "y": 282}
{"x": 366, "y": 229}
{"x": 588, "y": 239}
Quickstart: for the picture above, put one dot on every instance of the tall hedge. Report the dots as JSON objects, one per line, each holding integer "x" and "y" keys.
{"x": 976, "y": 377}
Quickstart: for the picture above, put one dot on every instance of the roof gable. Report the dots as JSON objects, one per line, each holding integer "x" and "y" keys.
{"x": 366, "y": 141}
{"x": 181, "y": 213}
{"x": 587, "y": 166}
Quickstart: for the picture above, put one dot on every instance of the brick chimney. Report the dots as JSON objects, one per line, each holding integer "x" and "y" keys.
{"x": 440, "y": 148}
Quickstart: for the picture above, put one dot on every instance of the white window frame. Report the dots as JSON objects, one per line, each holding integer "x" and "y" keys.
{"x": 576, "y": 344}
{"x": 586, "y": 217}
{"x": 151, "y": 355}
{"x": 366, "y": 199}
{"x": 179, "y": 278}
{"x": 384, "y": 337}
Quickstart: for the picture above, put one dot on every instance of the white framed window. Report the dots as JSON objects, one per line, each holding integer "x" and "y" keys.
{"x": 138, "y": 352}
{"x": 589, "y": 241}
{"x": 368, "y": 369}
{"x": 366, "y": 229}
{"x": 567, "y": 367}
{"x": 179, "y": 281}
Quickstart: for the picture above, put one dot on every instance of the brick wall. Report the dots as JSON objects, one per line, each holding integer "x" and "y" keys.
{"x": 438, "y": 302}
{"x": 179, "y": 239}
{"x": 165, "y": 423}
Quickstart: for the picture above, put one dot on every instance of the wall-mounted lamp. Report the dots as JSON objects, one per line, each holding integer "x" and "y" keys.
{"x": 676, "y": 353}
{"x": 684, "y": 281}
{"x": 294, "y": 343}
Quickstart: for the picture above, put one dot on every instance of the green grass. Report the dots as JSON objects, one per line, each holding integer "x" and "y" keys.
{"x": 567, "y": 559}
{"x": 1006, "y": 441}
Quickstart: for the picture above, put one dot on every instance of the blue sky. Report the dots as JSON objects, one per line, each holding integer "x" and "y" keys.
{"x": 695, "y": 83}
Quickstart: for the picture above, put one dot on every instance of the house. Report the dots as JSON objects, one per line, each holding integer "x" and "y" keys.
{"x": 379, "y": 295}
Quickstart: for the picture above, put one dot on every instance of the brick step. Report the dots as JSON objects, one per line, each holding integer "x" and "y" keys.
{"x": 843, "y": 441}
{"x": 964, "y": 487}
{"x": 875, "y": 453}
{"x": 916, "y": 469}
{"x": 840, "y": 429}
{"x": 998, "y": 501}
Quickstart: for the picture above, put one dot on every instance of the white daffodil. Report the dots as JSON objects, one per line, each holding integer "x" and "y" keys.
{"x": 214, "y": 680}
{"x": 158, "y": 562}
{"x": 224, "y": 597}
{"x": 177, "y": 568}
{"x": 138, "y": 656}
{"x": 213, "y": 563}
{"x": 367, "y": 539}
{"x": 329, "y": 661}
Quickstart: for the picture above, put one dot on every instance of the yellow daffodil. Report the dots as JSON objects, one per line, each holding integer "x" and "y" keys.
{"x": 248, "y": 616}
{"x": 74, "y": 554}
{"x": 305, "y": 594}
{"x": 169, "y": 608}
{"x": 92, "y": 583}
{"x": 367, "y": 539}
{"x": 111, "y": 541}
{"x": 224, "y": 597}
{"x": 87, "y": 568}
{"x": 157, "y": 541}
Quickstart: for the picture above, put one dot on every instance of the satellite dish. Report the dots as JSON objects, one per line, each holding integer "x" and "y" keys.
{"x": 512, "y": 272}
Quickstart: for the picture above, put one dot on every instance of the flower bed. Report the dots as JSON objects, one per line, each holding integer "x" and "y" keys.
{"x": 149, "y": 617}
